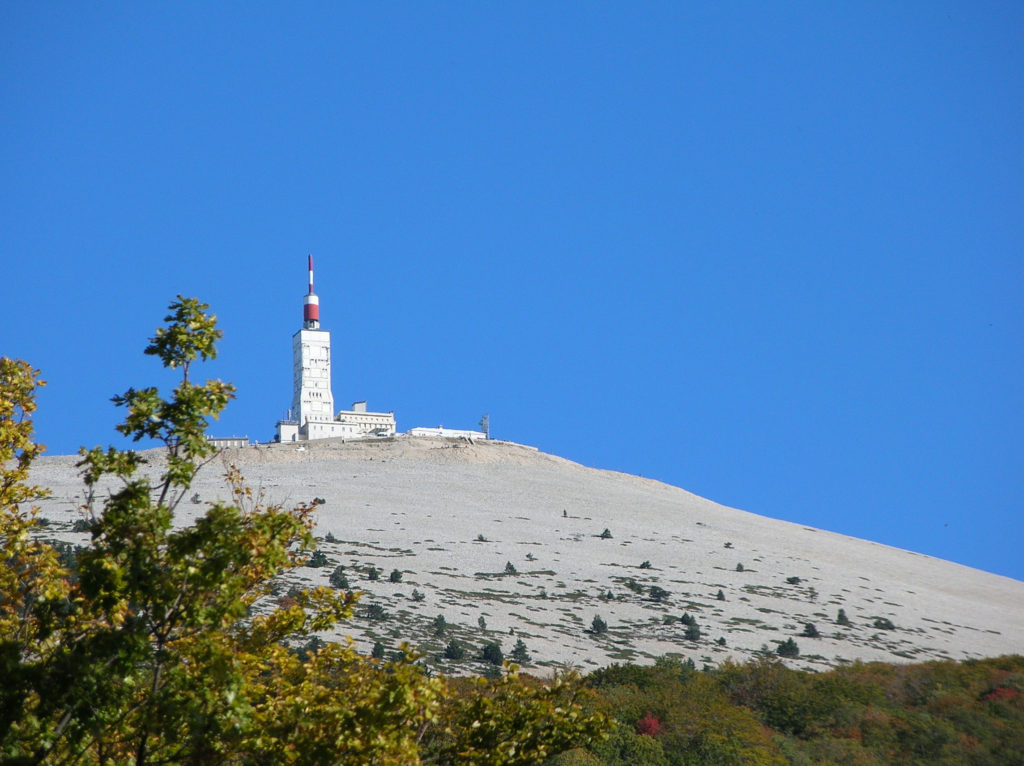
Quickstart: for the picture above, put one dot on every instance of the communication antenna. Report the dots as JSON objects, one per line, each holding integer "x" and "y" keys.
{"x": 311, "y": 305}
{"x": 485, "y": 425}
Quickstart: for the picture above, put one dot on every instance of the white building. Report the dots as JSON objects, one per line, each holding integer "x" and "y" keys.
{"x": 228, "y": 442}
{"x": 450, "y": 433}
{"x": 312, "y": 414}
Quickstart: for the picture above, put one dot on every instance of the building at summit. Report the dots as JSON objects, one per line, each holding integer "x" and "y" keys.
{"x": 312, "y": 414}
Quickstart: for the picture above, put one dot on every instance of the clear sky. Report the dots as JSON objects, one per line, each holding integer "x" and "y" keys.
{"x": 772, "y": 253}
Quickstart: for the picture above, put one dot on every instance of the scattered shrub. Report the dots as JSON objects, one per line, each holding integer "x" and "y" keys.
{"x": 788, "y": 648}
{"x": 720, "y": 640}
{"x": 842, "y": 619}
{"x": 338, "y": 578}
{"x": 686, "y": 619}
{"x": 378, "y": 651}
{"x": 810, "y": 630}
{"x": 884, "y": 623}
{"x": 606, "y": 535}
{"x": 318, "y": 559}
{"x": 720, "y": 595}
{"x": 658, "y": 593}
{"x": 634, "y": 586}
{"x": 312, "y": 646}
{"x": 481, "y": 539}
{"x": 509, "y": 569}
{"x": 739, "y": 567}
{"x": 482, "y": 623}
{"x": 646, "y": 565}
{"x": 330, "y": 538}
{"x": 438, "y": 626}
{"x": 396, "y": 575}
{"x": 375, "y": 612}
{"x": 598, "y": 626}
{"x": 727, "y": 545}
{"x": 417, "y": 595}
{"x": 793, "y": 580}
{"x": 519, "y": 652}
{"x": 491, "y": 653}
{"x": 692, "y": 631}
{"x": 81, "y": 525}
{"x": 454, "y": 651}
{"x": 373, "y": 573}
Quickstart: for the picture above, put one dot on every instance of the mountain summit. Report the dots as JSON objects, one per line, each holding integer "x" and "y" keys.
{"x": 458, "y": 543}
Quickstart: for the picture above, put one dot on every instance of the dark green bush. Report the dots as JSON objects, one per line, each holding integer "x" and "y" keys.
{"x": 338, "y": 578}
{"x": 318, "y": 559}
{"x": 491, "y": 653}
{"x": 454, "y": 651}
{"x": 788, "y": 648}
{"x": 658, "y": 593}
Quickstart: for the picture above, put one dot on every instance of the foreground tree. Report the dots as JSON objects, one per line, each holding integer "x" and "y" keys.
{"x": 166, "y": 648}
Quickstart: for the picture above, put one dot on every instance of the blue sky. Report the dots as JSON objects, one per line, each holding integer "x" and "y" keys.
{"x": 772, "y": 253}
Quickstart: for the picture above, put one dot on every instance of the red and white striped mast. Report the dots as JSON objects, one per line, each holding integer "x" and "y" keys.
{"x": 311, "y": 305}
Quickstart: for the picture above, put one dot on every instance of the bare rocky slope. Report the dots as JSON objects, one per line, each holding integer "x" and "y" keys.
{"x": 451, "y": 515}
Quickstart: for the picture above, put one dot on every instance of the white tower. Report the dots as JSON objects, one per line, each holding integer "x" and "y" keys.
{"x": 312, "y": 414}
{"x": 312, "y": 401}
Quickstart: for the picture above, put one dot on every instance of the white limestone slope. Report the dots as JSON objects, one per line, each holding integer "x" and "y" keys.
{"x": 421, "y": 505}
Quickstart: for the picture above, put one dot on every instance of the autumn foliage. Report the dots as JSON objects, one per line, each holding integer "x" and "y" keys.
{"x": 762, "y": 712}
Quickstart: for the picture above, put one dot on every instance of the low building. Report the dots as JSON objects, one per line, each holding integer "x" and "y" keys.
{"x": 450, "y": 433}
{"x": 228, "y": 442}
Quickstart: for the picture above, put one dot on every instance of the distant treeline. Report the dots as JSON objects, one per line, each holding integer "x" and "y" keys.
{"x": 762, "y": 712}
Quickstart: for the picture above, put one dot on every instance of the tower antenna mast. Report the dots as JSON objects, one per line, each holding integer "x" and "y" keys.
{"x": 311, "y": 305}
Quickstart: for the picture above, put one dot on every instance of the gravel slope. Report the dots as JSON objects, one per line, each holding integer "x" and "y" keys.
{"x": 421, "y": 505}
